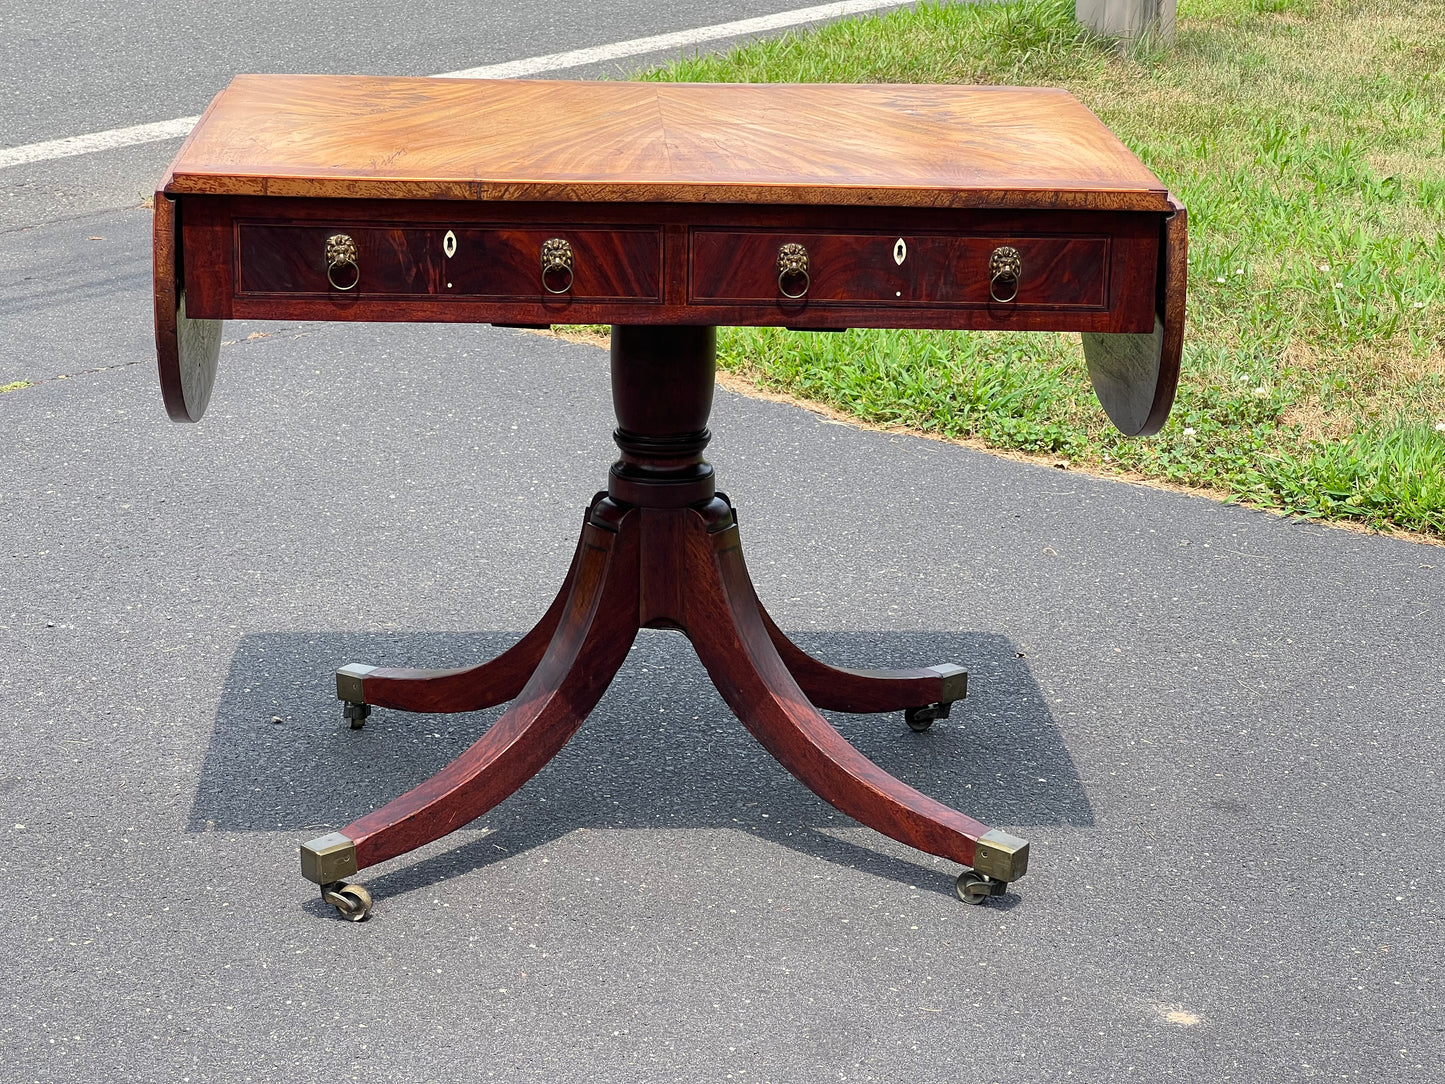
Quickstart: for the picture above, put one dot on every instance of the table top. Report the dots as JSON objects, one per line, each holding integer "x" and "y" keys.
{"x": 893, "y": 145}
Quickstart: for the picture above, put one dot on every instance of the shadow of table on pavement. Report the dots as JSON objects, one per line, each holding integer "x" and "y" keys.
{"x": 661, "y": 751}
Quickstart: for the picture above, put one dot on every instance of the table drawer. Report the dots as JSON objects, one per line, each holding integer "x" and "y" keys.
{"x": 608, "y": 263}
{"x": 732, "y": 266}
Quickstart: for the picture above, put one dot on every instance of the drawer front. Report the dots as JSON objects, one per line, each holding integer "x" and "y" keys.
{"x": 935, "y": 270}
{"x": 497, "y": 263}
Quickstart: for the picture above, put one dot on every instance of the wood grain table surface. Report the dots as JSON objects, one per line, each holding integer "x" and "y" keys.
{"x": 885, "y": 145}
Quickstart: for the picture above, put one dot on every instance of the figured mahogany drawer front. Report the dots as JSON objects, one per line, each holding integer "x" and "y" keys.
{"x": 608, "y": 263}
{"x": 741, "y": 266}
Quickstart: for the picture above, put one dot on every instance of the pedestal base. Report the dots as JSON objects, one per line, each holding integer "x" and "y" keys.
{"x": 645, "y": 562}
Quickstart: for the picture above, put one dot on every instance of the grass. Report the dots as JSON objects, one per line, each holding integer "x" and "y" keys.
{"x": 1306, "y": 137}
{"x": 16, "y": 386}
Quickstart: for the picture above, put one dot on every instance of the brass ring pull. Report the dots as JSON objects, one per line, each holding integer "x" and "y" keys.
{"x": 556, "y": 261}
{"x": 792, "y": 267}
{"x": 1004, "y": 265}
{"x": 340, "y": 254}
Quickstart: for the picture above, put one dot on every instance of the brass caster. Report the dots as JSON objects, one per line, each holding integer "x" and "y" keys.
{"x": 355, "y": 714}
{"x": 920, "y": 719}
{"x": 350, "y": 690}
{"x": 973, "y": 887}
{"x": 353, "y": 901}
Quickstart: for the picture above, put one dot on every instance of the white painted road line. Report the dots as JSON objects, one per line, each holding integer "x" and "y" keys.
{"x": 512, "y": 69}
{"x": 97, "y": 141}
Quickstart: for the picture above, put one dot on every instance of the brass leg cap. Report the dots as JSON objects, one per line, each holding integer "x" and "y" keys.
{"x": 1001, "y": 856}
{"x": 328, "y": 858}
{"x": 348, "y": 682}
{"x": 955, "y": 682}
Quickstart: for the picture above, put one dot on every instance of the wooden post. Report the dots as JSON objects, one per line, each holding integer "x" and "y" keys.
{"x": 1128, "y": 19}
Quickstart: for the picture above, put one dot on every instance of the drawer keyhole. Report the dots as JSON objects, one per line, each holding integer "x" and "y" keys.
{"x": 449, "y": 244}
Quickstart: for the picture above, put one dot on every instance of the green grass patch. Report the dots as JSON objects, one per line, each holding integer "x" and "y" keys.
{"x": 16, "y": 386}
{"x": 1306, "y": 137}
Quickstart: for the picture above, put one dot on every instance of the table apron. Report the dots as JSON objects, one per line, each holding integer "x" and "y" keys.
{"x": 657, "y": 264}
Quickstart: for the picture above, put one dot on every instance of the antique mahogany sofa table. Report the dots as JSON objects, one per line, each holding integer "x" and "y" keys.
{"x": 665, "y": 210}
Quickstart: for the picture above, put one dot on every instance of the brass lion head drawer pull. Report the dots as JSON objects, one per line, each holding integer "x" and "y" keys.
{"x": 556, "y": 266}
{"x": 341, "y": 254}
{"x": 793, "y": 279}
{"x": 1005, "y": 267}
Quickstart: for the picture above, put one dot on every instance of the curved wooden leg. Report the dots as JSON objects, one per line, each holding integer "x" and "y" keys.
{"x": 596, "y": 629}
{"x": 726, "y": 625}
{"x": 466, "y": 688}
{"x": 837, "y": 688}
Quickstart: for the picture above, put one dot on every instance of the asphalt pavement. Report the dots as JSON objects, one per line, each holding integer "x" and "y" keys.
{"x": 90, "y": 66}
{"x": 1220, "y": 730}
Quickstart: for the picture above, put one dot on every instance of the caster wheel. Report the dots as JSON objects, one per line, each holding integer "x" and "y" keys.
{"x": 973, "y": 887}
{"x": 355, "y": 713}
{"x": 920, "y": 719}
{"x": 353, "y": 901}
